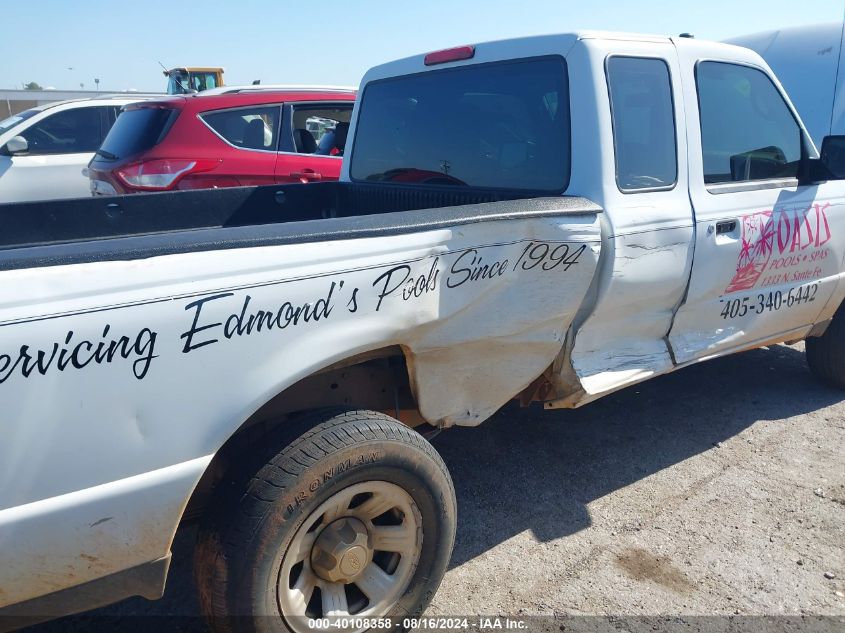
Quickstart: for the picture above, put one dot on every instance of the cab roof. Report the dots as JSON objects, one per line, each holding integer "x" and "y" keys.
{"x": 529, "y": 46}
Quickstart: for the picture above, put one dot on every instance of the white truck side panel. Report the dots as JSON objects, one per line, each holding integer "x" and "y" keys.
{"x": 202, "y": 340}
{"x": 61, "y": 541}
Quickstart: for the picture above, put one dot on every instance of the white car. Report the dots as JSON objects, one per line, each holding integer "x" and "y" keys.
{"x": 44, "y": 150}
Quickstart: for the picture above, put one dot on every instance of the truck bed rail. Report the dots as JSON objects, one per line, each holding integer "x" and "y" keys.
{"x": 145, "y": 225}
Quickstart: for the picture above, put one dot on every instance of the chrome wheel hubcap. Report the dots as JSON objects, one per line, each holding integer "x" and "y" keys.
{"x": 342, "y": 551}
{"x": 354, "y": 555}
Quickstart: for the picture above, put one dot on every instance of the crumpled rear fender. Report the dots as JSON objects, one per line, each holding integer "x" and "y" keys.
{"x": 503, "y": 313}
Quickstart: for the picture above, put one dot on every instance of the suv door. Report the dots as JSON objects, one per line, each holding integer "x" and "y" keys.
{"x": 768, "y": 252}
{"x": 251, "y": 132}
{"x": 313, "y": 141}
{"x": 60, "y": 145}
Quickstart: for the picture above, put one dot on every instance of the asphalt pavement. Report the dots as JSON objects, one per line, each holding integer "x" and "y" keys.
{"x": 716, "y": 490}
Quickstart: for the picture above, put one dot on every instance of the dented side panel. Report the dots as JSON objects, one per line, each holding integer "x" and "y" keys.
{"x": 489, "y": 345}
{"x": 112, "y": 370}
{"x": 623, "y": 341}
{"x": 621, "y": 338}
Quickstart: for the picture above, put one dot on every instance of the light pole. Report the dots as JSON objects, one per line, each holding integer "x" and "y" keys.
{"x": 97, "y": 83}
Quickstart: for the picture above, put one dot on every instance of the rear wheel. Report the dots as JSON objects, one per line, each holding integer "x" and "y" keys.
{"x": 354, "y": 518}
{"x": 826, "y": 353}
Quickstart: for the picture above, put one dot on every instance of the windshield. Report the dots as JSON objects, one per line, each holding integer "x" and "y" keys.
{"x": 181, "y": 82}
{"x": 500, "y": 125}
{"x": 12, "y": 121}
{"x": 203, "y": 81}
{"x": 137, "y": 130}
{"x": 177, "y": 83}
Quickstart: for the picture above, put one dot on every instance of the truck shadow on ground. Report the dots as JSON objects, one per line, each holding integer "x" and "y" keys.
{"x": 537, "y": 470}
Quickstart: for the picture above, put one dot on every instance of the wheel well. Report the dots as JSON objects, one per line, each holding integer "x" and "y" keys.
{"x": 377, "y": 380}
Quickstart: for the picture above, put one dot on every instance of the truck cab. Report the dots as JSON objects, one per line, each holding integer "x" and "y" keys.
{"x": 193, "y": 79}
{"x": 692, "y": 149}
{"x": 546, "y": 220}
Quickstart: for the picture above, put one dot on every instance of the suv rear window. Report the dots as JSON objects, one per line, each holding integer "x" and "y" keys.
{"x": 137, "y": 130}
{"x": 500, "y": 125}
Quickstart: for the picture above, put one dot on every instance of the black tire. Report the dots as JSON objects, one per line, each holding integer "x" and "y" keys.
{"x": 826, "y": 353}
{"x": 245, "y": 535}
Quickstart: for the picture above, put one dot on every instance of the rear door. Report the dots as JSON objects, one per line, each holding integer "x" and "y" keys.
{"x": 648, "y": 230}
{"x": 251, "y": 133}
{"x": 313, "y": 141}
{"x": 767, "y": 251}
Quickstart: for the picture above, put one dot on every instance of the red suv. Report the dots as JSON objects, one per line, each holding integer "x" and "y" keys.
{"x": 225, "y": 138}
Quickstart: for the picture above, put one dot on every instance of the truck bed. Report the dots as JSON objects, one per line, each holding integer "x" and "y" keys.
{"x": 145, "y": 225}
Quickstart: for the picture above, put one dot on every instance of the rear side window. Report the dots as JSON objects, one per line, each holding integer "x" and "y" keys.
{"x": 747, "y": 130}
{"x": 643, "y": 123}
{"x": 248, "y": 128}
{"x": 319, "y": 129}
{"x": 67, "y": 132}
{"x": 501, "y": 125}
{"x": 137, "y": 130}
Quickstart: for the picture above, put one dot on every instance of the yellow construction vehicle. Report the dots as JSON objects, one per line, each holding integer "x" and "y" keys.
{"x": 193, "y": 79}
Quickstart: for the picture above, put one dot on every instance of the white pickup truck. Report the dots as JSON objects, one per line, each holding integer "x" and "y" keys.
{"x": 545, "y": 219}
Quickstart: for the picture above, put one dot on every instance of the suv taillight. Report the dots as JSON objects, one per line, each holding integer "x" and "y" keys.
{"x": 161, "y": 174}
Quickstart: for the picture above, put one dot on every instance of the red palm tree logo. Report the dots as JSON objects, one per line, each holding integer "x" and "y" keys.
{"x": 758, "y": 232}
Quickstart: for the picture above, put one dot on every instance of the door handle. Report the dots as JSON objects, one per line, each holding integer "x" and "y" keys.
{"x": 726, "y": 226}
{"x": 306, "y": 174}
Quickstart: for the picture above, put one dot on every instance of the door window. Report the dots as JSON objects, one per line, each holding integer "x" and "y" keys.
{"x": 247, "y": 128}
{"x": 747, "y": 130}
{"x": 67, "y": 132}
{"x": 177, "y": 82}
{"x": 643, "y": 123}
{"x": 203, "y": 81}
{"x": 320, "y": 130}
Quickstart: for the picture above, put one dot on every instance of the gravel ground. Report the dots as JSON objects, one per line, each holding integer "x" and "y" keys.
{"x": 719, "y": 489}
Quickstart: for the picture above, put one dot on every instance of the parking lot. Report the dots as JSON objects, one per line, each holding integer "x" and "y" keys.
{"x": 717, "y": 490}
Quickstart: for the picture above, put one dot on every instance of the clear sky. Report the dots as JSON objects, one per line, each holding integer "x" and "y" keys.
{"x": 64, "y": 44}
